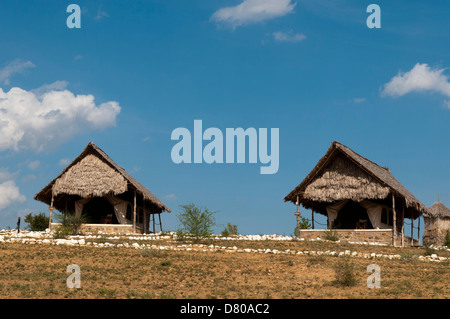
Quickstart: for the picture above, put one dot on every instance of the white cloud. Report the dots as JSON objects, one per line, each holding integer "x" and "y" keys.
{"x": 252, "y": 11}
{"x": 9, "y": 193}
{"x": 37, "y": 122}
{"x": 420, "y": 78}
{"x": 358, "y": 100}
{"x": 447, "y": 104}
{"x": 171, "y": 197}
{"x": 288, "y": 37}
{"x": 57, "y": 85}
{"x": 64, "y": 162}
{"x": 29, "y": 178}
{"x": 101, "y": 14}
{"x": 5, "y": 175}
{"x": 15, "y": 66}
{"x": 34, "y": 165}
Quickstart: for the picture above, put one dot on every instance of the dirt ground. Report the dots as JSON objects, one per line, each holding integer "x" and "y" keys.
{"x": 39, "y": 271}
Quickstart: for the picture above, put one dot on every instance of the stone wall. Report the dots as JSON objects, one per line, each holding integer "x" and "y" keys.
{"x": 104, "y": 228}
{"x": 379, "y": 236}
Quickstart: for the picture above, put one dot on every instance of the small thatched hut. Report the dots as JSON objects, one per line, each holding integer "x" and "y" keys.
{"x": 437, "y": 223}
{"x": 94, "y": 185}
{"x": 356, "y": 193}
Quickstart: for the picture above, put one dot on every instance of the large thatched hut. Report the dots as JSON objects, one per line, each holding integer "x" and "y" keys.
{"x": 110, "y": 198}
{"x": 356, "y": 193}
{"x": 437, "y": 223}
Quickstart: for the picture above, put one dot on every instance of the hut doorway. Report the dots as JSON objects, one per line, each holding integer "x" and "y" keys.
{"x": 352, "y": 216}
{"x": 98, "y": 209}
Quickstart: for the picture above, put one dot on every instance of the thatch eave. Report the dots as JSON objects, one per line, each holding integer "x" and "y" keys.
{"x": 46, "y": 193}
{"x": 382, "y": 175}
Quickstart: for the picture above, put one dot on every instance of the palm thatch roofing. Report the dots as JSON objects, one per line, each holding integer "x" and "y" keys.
{"x": 94, "y": 174}
{"x": 438, "y": 210}
{"x": 343, "y": 174}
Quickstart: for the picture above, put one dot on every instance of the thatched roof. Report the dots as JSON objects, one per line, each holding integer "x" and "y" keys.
{"x": 438, "y": 210}
{"x": 93, "y": 173}
{"x": 343, "y": 174}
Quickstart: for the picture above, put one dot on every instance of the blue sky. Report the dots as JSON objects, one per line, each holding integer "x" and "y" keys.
{"x": 136, "y": 70}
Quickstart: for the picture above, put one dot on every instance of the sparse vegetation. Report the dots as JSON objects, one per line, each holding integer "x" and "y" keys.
{"x": 195, "y": 222}
{"x": 37, "y": 222}
{"x": 428, "y": 250}
{"x": 39, "y": 271}
{"x": 330, "y": 234}
{"x": 230, "y": 230}
{"x": 345, "y": 272}
{"x": 70, "y": 224}
{"x": 303, "y": 224}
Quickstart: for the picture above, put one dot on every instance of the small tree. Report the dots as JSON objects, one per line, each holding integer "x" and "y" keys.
{"x": 70, "y": 224}
{"x": 303, "y": 223}
{"x": 196, "y": 222}
{"x": 37, "y": 222}
{"x": 230, "y": 230}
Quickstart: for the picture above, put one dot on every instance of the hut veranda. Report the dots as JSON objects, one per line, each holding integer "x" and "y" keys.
{"x": 362, "y": 200}
{"x": 111, "y": 199}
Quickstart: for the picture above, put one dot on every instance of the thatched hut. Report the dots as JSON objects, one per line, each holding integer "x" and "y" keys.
{"x": 356, "y": 193}
{"x": 94, "y": 185}
{"x": 437, "y": 223}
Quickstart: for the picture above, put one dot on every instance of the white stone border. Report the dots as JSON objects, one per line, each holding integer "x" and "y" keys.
{"x": 47, "y": 238}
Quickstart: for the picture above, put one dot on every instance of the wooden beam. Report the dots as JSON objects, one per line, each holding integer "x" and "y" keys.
{"x": 160, "y": 223}
{"x": 412, "y": 229}
{"x": 418, "y": 231}
{"x": 154, "y": 227}
{"x": 51, "y": 208}
{"x": 312, "y": 217}
{"x": 403, "y": 223}
{"x": 145, "y": 216}
{"x": 134, "y": 213}
{"x": 394, "y": 221}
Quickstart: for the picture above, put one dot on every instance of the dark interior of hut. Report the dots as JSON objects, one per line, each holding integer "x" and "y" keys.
{"x": 352, "y": 216}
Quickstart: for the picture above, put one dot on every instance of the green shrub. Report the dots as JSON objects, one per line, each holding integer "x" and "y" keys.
{"x": 62, "y": 232}
{"x": 230, "y": 230}
{"x": 330, "y": 234}
{"x": 447, "y": 239}
{"x": 303, "y": 224}
{"x": 196, "y": 222}
{"x": 37, "y": 222}
{"x": 344, "y": 272}
{"x": 70, "y": 224}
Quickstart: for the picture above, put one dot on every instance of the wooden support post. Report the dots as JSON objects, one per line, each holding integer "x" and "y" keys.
{"x": 297, "y": 215}
{"x": 51, "y": 208}
{"x": 418, "y": 232}
{"x": 144, "y": 226}
{"x": 312, "y": 217}
{"x": 412, "y": 230}
{"x": 160, "y": 223}
{"x": 154, "y": 227}
{"x": 403, "y": 223}
{"x": 134, "y": 213}
{"x": 394, "y": 221}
